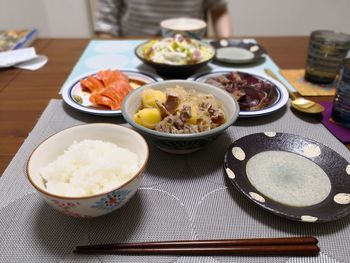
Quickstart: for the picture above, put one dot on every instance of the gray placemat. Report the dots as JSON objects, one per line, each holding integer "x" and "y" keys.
{"x": 181, "y": 197}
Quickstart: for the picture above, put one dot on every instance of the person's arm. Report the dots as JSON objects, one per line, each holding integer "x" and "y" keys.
{"x": 221, "y": 21}
{"x": 107, "y": 18}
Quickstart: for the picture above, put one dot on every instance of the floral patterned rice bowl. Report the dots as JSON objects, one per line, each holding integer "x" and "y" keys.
{"x": 99, "y": 204}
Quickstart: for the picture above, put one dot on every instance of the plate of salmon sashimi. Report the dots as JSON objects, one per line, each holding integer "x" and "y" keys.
{"x": 102, "y": 92}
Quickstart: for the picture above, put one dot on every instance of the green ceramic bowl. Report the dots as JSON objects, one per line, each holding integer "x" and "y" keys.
{"x": 180, "y": 143}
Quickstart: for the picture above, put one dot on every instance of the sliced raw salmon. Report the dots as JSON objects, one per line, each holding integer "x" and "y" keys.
{"x": 108, "y": 77}
{"x": 113, "y": 94}
{"x": 108, "y": 88}
{"x": 101, "y": 100}
{"x": 91, "y": 84}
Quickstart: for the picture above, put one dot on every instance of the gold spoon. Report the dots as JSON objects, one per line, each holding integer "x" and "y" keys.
{"x": 299, "y": 103}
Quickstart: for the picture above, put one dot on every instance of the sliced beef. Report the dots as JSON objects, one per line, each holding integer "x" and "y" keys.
{"x": 171, "y": 103}
{"x": 185, "y": 113}
{"x": 173, "y": 124}
{"x": 252, "y": 93}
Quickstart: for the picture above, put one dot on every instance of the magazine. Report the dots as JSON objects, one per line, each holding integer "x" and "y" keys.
{"x": 15, "y": 39}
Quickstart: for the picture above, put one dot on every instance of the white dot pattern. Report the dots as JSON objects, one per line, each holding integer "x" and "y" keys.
{"x": 347, "y": 170}
{"x": 309, "y": 219}
{"x": 238, "y": 153}
{"x": 270, "y": 134}
{"x": 312, "y": 150}
{"x": 257, "y": 197}
{"x": 230, "y": 173}
{"x": 342, "y": 198}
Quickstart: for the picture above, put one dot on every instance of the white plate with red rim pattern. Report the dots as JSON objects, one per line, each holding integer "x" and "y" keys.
{"x": 78, "y": 99}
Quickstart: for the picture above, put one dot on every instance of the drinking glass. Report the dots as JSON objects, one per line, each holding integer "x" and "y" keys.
{"x": 341, "y": 103}
{"x": 326, "y": 52}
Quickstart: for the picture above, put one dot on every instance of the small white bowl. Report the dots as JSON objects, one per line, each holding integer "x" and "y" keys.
{"x": 98, "y": 204}
{"x": 186, "y": 26}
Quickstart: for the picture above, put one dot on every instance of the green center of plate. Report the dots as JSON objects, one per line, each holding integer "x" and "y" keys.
{"x": 288, "y": 178}
{"x": 234, "y": 54}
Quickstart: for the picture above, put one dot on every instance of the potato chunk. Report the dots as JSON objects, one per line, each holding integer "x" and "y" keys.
{"x": 148, "y": 117}
{"x": 150, "y": 96}
{"x": 194, "y": 115}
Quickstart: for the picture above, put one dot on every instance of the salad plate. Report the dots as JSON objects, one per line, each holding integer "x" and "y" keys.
{"x": 256, "y": 94}
{"x": 235, "y": 51}
{"x": 175, "y": 57}
{"x": 76, "y": 97}
{"x": 290, "y": 176}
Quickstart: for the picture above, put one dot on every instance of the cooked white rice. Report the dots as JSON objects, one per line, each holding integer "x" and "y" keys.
{"x": 89, "y": 167}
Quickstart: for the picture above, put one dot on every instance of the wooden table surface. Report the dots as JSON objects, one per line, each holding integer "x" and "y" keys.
{"x": 24, "y": 94}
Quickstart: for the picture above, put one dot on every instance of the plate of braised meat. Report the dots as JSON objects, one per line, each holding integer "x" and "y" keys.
{"x": 256, "y": 94}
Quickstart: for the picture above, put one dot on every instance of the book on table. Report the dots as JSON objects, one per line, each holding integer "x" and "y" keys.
{"x": 15, "y": 39}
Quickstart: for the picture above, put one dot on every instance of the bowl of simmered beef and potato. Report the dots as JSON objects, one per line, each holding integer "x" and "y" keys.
{"x": 180, "y": 116}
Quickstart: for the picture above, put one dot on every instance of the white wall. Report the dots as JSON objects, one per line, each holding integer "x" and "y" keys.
{"x": 71, "y": 18}
{"x": 288, "y": 17}
{"x": 53, "y": 18}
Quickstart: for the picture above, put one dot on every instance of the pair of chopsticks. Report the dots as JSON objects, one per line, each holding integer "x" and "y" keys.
{"x": 290, "y": 246}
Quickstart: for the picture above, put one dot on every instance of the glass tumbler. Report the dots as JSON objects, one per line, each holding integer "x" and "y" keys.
{"x": 341, "y": 103}
{"x": 326, "y": 52}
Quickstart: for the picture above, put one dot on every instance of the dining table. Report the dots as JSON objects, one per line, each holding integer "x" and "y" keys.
{"x": 24, "y": 96}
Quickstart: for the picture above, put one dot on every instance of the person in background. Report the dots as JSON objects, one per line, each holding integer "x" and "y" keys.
{"x": 142, "y": 17}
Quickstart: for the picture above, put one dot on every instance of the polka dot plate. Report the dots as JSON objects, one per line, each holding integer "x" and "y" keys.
{"x": 75, "y": 97}
{"x": 290, "y": 176}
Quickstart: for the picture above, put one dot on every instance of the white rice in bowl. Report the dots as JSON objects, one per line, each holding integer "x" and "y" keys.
{"x": 89, "y": 167}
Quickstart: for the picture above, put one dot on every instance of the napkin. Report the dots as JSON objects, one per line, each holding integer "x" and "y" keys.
{"x": 24, "y": 58}
{"x": 34, "y": 63}
{"x": 342, "y": 133}
{"x": 305, "y": 88}
{"x": 13, "y": 57}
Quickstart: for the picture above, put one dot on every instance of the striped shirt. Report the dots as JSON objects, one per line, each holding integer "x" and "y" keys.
{"x": 142, "y": 17}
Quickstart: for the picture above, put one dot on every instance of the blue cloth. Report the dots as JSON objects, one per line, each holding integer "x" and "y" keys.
{"x": 119, "y": 54}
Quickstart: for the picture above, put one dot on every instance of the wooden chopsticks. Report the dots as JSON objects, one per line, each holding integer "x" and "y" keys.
{"x": 291, "y": 246}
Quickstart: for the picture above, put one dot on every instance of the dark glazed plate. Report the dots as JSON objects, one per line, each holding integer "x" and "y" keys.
{"x": 235, "y": 51}
{"x": 290, "y": 176}
{"x": 281, "y": 94}
{"x": 78, "y": 99}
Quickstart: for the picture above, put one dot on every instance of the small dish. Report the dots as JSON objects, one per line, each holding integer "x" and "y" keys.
{"x": 78, "y": 99}
{"x": 186, "y": 26}
{"x": 290, "y": 176}
{"x": 281, "y": 94}
{"x": 237, "y": 51}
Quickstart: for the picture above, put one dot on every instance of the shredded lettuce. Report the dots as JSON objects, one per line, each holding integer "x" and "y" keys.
{"x": 176, "y": 50}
